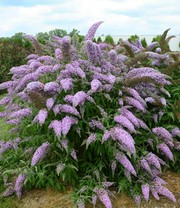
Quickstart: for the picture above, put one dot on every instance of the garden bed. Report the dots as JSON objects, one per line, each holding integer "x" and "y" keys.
{"x": 52, "y": 199}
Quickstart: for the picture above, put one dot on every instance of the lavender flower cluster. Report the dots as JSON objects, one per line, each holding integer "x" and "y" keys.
{"x": 90, "y": 101}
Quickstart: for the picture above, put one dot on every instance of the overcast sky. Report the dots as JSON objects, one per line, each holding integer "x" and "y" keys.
{"x": 121, "y": 17}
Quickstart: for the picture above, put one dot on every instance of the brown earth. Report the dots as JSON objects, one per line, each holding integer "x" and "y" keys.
{"x": 51, "y": 199}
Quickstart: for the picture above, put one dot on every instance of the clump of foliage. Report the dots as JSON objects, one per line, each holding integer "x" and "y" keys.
{"x": 133, "y": 38}
{"x": 144, "y": 42}
{"x": 163, "y": 41}
{"x": 99, "y": 40}
{"x": 109, "y": 40}
{"x": 86, "y": 117}
{"x": 44, "y": 37}
{"x": 13, "y": 52}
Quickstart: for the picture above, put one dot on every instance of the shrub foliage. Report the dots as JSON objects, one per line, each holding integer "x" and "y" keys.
{"x": 88, "y": 116}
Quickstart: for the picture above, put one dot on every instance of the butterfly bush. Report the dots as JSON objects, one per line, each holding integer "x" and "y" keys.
{"x": 145, "y": 191}
{"x": 18, "y": 184}
{"x": 40, "y": 153}
{"x": 87, "y": 115}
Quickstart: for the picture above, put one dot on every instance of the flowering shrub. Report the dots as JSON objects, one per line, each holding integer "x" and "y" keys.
{"x": 87, "y": 117}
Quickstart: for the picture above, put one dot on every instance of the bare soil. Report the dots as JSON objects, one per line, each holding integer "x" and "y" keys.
{"x": 52, "y": 199}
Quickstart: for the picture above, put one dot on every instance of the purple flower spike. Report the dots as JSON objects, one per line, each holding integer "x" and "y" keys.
{"x": 56, "y": 126}
{"x": 6, "y": 85}
{"x": 130, "y": 116}
{"x": 95, "y": 85}
{"x": 136, "y": 95}
{"x": 103, "y": 196}
{"x": 40, "y": 153}
{"x": 159, "y": 181}
{"x": 175, "y": 132}
{"x": 163, "y": 101}
{"x": 102, "y": 111}
{"x": 92, "y": 31}
{"x": 67, "y": 122}
{"x": 58, "y": 54}
{"x": 165, "y": 150}
{"x": 154, "y": 193}
{"x": 27, "y": 79}
{"x": 77, "y": 70}
{"x": 66, "y": 83}
{"x": 153, "y": 160}
{"x": 152, "y": 45}
{"x": 91, "y": 51}
{"x": 113, "y": 56}
{"x": 165, "y": 192}
{"x": 96, "y": 124}
{"x": 5, "y": 101}
{"x": 65, "y": 45}
{"x": 4, "y": 146}
{"x": 111, "y": 79}
{"x": 164, "y": 134}
{"x": 32, "y": 56}
{"x": 133, "y": 102}
{"x": 9, "y": 191}
{"x": 120, "y": 101}
{"x": 73, "y": 155}
{"x": 68, "y": 99}
{"x": 121, "y": 158}
{"x": 142, "y": 124}
{"x": 69, "y": 109}
{"x": 125, "y": 123}
{"x": 15, "y": 121}
{"x": 41, "y": 116}
{"x": 79, "y": 98}
{"x": 35, "y": 86}
{"x": 56, "y": 109}
{"x": 107, "y": 184}
{"x": 64, "y": 144}
{"x": 52, "y": 88}
{"x": 49, "y": 103}
{"x": 145, "y": 165}
{"x": 124, "y": 139}
{"x": 34, "y": 65}
{"x": 145, "y": 190}
{"x": 90, "y": 139}
{"x": 43, "y": 70}
{"x": 106, "y": 136}
{"x": 25, "y": 112}
{"x": 18, "y": 185}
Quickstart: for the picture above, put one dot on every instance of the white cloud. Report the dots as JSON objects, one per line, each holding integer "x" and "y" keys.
{"x": 119, "y": 16}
